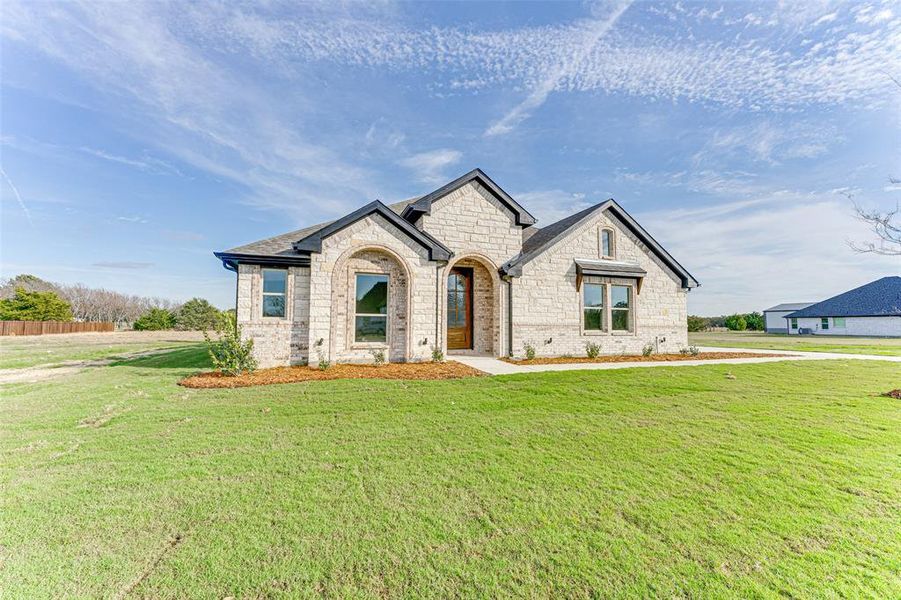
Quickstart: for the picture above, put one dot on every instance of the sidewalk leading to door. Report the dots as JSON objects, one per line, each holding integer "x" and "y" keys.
{"x": 493, "y": 366}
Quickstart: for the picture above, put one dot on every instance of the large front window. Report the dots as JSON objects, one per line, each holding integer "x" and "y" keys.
{"x": 621, "y": 307}
{"x": 274, "y": 287}
{"x": 593, "y": 309}
{"x": 371, "y": 313}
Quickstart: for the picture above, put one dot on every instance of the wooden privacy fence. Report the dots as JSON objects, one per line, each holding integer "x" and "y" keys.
{"x": 42, "y": 327}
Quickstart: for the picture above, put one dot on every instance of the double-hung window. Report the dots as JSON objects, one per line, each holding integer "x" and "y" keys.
{"x": 794, "y": 323}
{"x": 839, "y": 322}
{"x": 371, "y": 308}
{"x": 274, "y": 292}
{"x": 621, "y": 307}
{"x": 594, "y": 306}
{"x": 824, "y": 323}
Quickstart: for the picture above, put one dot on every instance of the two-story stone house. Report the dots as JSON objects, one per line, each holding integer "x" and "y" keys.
{"x": 463, "y": 269}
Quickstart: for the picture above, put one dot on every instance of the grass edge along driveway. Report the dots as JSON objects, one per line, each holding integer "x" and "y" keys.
{"x": 720, "y": 480}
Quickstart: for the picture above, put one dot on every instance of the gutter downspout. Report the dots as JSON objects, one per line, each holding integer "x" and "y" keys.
{"x": 509, "y": 316}
{"x": 438, "y": 304}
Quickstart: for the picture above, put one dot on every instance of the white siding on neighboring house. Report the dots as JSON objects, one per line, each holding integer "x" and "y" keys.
{"x": 775, "y": 321}
{"x": 866, "y": 326}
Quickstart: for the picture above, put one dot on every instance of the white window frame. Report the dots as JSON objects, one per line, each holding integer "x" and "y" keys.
{"x": 363, "y": 344}
{"x": 824, "y": 323}
{"x": 603, "y": 309}
{"x": 793, "y": 323}
{"x": 264, "y": 293}
{"x": 612, "y": 233}
{"x": 835, "y": 322}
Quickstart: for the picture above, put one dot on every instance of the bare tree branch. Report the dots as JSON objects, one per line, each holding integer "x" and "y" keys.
{"x": 884, "y": 228}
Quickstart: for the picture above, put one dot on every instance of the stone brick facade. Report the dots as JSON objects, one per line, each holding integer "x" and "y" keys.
{"x": 482, "y": 234}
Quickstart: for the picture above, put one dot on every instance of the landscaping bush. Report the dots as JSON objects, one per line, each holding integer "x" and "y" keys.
{"x": 437, "y": 354}
{"x": 34, "y": 306}
{"x": 378, "y": 357}
{"x": 592, "y": 349}
{"x": 647, "y": 350}
{"x": 736, "y": 322}
{"x": 196, "y": 315}
{"x": 529, "y": 350}
{"x": 230, "y": 355}
{"x": 155, "y": 319}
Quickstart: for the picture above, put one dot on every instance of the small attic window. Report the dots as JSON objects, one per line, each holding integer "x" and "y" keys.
{"x": 607, "y": 243}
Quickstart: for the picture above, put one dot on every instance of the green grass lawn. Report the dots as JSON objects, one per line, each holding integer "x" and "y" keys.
{"x": 780, "y": 479}
{"x": 18, "y": 352}
{"x": 807, "y": 343}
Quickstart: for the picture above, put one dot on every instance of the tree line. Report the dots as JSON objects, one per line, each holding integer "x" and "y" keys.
{"x": 30, "y": 298}
{"x": 752, "y": 321}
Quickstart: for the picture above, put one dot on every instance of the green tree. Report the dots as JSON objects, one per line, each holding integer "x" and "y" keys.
{"x": 35, "y": 306}
{"x": 696, "y": 323}
{"x": 197, "y": 314}
{"x": 736, "y": 322}
{"x": 754, "y": 321}
{"x": 155, "y": 319}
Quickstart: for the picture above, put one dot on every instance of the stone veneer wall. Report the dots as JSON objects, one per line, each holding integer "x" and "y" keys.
{"x": 475, "y": 225}
{"x": 371, "y": 233}
{"x": 344, "y": 296}
{"x": 547, "y": 305}
{"x": 485, "y": 295}
{"x": 276, "y": 341}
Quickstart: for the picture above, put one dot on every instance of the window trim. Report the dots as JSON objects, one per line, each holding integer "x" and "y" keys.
{"x": 353, "y": 321}
{"x": 608, "y": 309}
{"x": 612, "y": 233}
{"x": 793, "y": 323}
{"x": 603, "y": 310}
{"x": 835, "y": 321}
{"x": 264, "y": 293}
{"x": 824, "y": 323}
{"x": 630, "y": 310}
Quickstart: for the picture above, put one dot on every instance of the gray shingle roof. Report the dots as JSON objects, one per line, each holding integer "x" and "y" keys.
{"x": 282, "y": 245}
{"x": 880, "y": 298}
{"x": 789, "y": 306}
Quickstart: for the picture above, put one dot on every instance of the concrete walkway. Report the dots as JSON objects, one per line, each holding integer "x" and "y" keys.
{"x": 493, "y": 366}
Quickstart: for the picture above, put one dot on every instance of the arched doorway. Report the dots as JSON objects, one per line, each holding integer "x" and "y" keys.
{"x": 472, "y": 300}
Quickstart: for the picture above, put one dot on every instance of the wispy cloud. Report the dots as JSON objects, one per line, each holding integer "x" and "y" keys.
{"x": 569, "y": 64}
{"x": 429, "y": 166}
{"x": 146, "y": 163}
{"x": 18, "y": 197}
{"x": 123, "y": 265}
{"x": 131, "y": 219}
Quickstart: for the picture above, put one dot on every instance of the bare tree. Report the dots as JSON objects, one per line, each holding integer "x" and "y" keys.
{"x": 883, "y": 226}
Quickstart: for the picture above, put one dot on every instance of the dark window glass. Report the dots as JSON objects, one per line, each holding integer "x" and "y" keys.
{"x": 794, "y": 323}
{"x": 621, "y": 306}
{"x": 274, "y": 305}
{"x": 606, "y": 243}
{"x": 825, "y": 322}
{"x": 371, "y": 329}
{"x": 593, "y": 299}
{"x": 274, "y": 286}
{"x": 372, "y": 294}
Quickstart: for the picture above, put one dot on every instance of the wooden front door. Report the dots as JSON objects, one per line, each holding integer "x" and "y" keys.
{"x": 459, "y": 309}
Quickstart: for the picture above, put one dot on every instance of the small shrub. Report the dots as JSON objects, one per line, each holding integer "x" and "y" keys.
{"x": 592, "y": 349}
{"x": 157, "y": 319}
{"x": 694, "y": 350}
{"x": 437, "y": 354}
{"x": 647, "y": 350}
{"x": 529, "y": 350}
{"x": 684, "y": 351}
{"x": 230, "y": 355}
{"x": 736, "y": 323}
{"x": 323, "y": 361}
{"x": 378, "y": 357}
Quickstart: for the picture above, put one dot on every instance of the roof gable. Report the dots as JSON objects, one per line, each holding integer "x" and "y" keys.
{"x": 546, "y": 237}
{"x": 880, "y": 298}
{"x": 423, "y": 205}
{"x": 313, "y": 242}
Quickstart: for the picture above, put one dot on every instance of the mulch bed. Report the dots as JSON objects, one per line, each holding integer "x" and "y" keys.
{"x": 424, "y": 370}
{"x": 618, "y": 358}
{"x": 893, "y": 394}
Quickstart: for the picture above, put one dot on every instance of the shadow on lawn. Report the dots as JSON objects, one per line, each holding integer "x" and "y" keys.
{"x": 187, "y": 357}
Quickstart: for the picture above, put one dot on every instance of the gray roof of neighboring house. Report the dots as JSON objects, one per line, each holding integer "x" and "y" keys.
{"x": 788, "y": 306}
{"x": 547, "y": 236}
{"x": 880, "y": 298}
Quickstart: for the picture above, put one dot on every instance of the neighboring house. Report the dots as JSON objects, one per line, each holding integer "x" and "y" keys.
{"x": 463, "y": 270}
{"x": 774, "y": 317}
{"x": 873, "y": 309}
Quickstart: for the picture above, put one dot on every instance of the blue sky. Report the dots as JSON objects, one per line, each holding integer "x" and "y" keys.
{"x": 138, "y": 138}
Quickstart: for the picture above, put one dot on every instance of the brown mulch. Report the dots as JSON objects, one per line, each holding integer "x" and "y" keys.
{"x": 423, "y": 370}
{"x": 617, "y": 358}
{"x": 893, "y": 394}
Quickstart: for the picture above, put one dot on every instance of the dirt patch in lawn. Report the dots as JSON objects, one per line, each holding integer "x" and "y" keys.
{"x": 620, "y": 358}
{"x": 893, "y": 394}
{"x": 424, "y": 370}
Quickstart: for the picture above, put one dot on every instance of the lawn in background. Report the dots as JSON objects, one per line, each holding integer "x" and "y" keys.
{"x": 28, "y": 351}
{"x": 806, "y": 343}
{"x": 718, "y": 480}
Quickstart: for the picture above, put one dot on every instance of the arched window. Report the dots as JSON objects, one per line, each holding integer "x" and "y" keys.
{"x": 607, "y": 243}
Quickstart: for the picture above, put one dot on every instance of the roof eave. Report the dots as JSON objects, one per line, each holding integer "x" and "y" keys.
{"x": 231, "y": 260}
